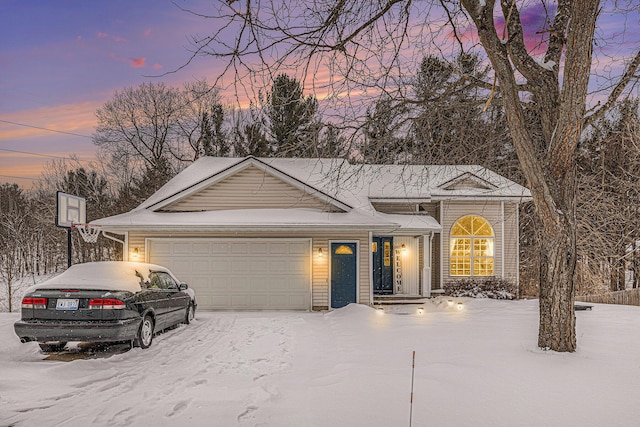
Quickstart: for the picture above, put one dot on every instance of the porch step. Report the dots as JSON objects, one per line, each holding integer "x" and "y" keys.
{"x": 398, "y": 299}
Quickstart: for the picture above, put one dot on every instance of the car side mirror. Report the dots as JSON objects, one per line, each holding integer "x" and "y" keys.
{"x": 183, "y": 286}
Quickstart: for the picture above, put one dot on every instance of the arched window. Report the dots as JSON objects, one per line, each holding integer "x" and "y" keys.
{"x": 471, "y": 242}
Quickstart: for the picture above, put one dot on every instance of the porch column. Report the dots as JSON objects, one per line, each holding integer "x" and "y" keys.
{"x": 426, "y": 265}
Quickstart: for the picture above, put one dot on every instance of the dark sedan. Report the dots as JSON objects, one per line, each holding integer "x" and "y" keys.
{"x": 107, "y": 301}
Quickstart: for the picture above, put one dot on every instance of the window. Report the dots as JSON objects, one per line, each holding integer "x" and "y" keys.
{"x": 161, "y": 280}
{"x": 471, "y": 253}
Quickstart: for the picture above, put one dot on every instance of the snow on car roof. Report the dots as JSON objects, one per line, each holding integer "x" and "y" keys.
{"x": 104, "y": 275}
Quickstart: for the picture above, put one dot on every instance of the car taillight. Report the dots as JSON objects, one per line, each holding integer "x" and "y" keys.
{"x": 106, "y": 303}
{"x": 30, "y": 302}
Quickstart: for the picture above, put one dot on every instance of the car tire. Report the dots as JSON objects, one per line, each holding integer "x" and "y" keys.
{"x": 52, "y": 346}
{"x": 145, "y": 333}
{"x": 190, "y": 315}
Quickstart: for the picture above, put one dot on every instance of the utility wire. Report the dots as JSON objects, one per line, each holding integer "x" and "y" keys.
{"x": 44, "y": 155}
{"x": 42, "y": 128}
{"x": 21, "y": 177}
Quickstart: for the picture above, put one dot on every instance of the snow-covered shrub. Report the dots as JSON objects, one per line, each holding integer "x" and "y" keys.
{"x": 482, "y": 287}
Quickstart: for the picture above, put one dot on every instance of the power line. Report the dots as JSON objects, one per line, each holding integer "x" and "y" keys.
{"x": 42, "y": 128}
{"x": 44, "y": 155}
{"x": 21, "y": 177}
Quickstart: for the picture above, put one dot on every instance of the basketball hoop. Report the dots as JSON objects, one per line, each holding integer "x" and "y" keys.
{"x": 89, "y": 232}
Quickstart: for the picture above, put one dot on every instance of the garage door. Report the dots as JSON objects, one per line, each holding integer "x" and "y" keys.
{"x": 240, "y": 274}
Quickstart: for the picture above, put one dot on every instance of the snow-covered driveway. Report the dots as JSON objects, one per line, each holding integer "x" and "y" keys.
{"x": 350, "y": 367}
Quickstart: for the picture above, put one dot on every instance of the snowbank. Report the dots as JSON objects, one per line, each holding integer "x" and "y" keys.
{"x": 478, "y": 366}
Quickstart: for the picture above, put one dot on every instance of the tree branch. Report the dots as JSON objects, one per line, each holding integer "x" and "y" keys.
{"x": 626, "y": 78}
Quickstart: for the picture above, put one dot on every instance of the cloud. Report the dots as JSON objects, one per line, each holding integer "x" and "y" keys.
{"x": 157, "y": 66}
{"x": 147, "y": 32}
{"x": 137, "y": 62}
{"x": 117, "y": 39}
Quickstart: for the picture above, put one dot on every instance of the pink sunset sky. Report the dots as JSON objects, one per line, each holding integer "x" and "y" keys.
{"x": 61, "y": 61}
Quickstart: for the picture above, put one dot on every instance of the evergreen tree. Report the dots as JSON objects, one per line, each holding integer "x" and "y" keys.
{"x": 291, "y": 117}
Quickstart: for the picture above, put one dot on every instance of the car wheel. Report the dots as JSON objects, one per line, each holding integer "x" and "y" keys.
{"x": 190, "y": 315}
{"x": 145, "y": 333}
{"x": 52, "y": 346}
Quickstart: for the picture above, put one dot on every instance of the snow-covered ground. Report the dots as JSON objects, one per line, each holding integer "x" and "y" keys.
{"x": 350, "y": 367}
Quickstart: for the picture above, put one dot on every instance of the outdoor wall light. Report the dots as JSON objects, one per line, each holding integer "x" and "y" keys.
{"x": 421, "y": 310}
{"x": 319, "y": 252}
{"x": 136, "y": 251}
{"x": 460, "y": 306}
{"x": 450, "y": 303}
{"x": 403, "y": 248}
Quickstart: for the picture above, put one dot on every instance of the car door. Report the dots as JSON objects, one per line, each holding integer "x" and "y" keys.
{"x": 174, "y": 301}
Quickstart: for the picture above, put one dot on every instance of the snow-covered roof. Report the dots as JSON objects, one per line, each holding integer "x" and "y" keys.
{"x": 355, "y": 184}
{"x": 351, "y": 187}
{"x": 104, "y": 275}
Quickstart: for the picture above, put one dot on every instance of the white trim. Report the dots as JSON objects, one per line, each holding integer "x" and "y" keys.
{"x": 442, "y": 246}
{"x": 125, "y": 248}
{"x": 247, "y": 239}
{"x": 482, "y": 198}
{"x": 487, "y": 185}
{"x": 357, "y": 242}
{"x": 370, "y": 269}
{"x": 502, "y": 237}
{"x": 472, "y": 252}
{"x": 392, "y": 200}
{"x": 518, "y": 249}
{"x": 426, "y": 264}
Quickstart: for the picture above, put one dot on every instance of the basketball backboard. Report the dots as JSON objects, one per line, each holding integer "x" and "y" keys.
{"x": 70, "y": 210}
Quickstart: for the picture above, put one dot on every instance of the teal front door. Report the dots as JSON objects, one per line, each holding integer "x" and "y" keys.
{"x": 343, "y": 274}
{"x": 382, "y": 248}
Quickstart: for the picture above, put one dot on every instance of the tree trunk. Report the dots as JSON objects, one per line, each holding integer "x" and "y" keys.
{"x": 557, "y": 267}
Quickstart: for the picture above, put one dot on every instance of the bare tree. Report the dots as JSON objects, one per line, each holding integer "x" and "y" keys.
{"x": 366, "y": 47}
{"x": 147, "y": 134}
{"x": 201, "y": 123}
{"x": 14, "y": 227}
{"x": 141, "y": 120}
{"x": 609, "y": 199}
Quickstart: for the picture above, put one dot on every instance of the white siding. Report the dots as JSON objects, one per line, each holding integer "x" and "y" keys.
{"x": 251, "y": 188}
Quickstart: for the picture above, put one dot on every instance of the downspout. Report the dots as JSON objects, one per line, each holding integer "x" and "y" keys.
{"x": 433, "y": 234}
{"x": 442, "y": 246}
{"x": 125, "y": 253}
{"x": 502, "y": 236}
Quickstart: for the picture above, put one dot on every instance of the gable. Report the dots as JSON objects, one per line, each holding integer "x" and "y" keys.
{"x": 467, "y": 181}
{"x": 249, "y": 188}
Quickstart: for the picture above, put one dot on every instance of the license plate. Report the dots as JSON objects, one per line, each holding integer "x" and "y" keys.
{"x": 67, "y": 304}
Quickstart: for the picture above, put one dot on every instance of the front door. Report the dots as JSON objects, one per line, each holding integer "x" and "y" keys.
{"x": 382, "y": 248}
{"x": 343, "y": 274}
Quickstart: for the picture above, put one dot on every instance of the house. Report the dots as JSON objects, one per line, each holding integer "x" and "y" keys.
{"x": 316, "y": 234}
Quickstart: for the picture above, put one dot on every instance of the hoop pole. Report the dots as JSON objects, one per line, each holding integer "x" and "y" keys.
{"x": 68, "y": 247}
{"x": 413, "y": 368}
